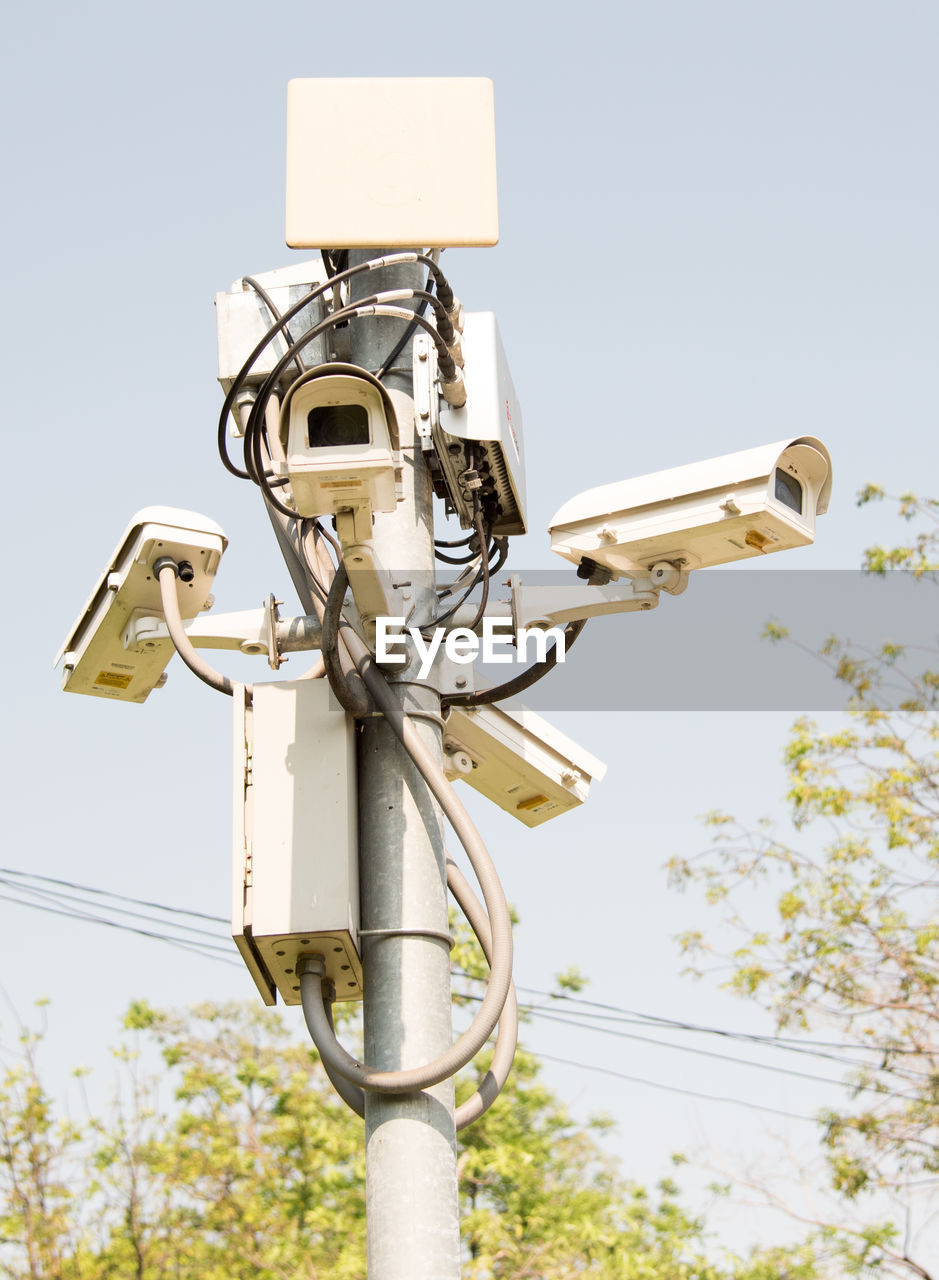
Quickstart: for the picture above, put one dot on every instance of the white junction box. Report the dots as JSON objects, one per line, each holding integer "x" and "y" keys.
{"x": 519, "y": 761}
{"x": 391, "y": 161}
{"x": 295, "y": 879}
{"x": 242, "y": 319}
{"x": 487, "y": 429}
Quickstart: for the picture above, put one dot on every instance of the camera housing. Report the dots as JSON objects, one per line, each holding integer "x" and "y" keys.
{"x": 518, "y": 760}
{"x": 706, "y": 513}
{"x": 96, "y": 659}
{"x": 340, "y": 436}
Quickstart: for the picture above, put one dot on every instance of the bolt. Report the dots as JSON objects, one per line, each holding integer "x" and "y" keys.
{"x": 460, "y": 682}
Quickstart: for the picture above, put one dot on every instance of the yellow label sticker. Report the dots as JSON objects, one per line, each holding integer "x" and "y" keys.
{"x": 532, "y": 803}
{"x": 113, "y": 679}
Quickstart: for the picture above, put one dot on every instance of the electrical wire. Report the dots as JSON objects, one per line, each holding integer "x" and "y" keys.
{"x": 280, "y": 324}
{"x": 444, "y": 293}
{"x": 547, "y": 1016}
{"x": 254, "y": 467}
{"x": 57, "y": 896}
{"x": 312, "y": 992}
{"x": 503, "y": 1056}
{"x": 388, "y": 362}
{"x": 672, "y": 1088}
{"x": 166, "y": 572}
{"x": 781, "y": 1044}
{"x": 531, "y": 675}
{"x": 107, "y": 893}
{"x": 634, "y": 1017}
{"x": 198, "y": 948}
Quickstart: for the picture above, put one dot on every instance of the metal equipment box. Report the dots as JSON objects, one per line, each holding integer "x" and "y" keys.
{"x": 295, "y": 878}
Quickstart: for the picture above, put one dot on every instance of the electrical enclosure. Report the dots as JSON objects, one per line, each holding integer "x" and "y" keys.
{"x": 242, "y": 319}
{"x": 295, "y": 885}
{"x": 519, "y": 761}
{"x": 391, "y": 162}
{"x": 486, "y": 433}
{"x": 96, "y": 659}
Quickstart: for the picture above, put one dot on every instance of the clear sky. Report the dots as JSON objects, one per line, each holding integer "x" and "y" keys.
{"x": 718, "y": 227}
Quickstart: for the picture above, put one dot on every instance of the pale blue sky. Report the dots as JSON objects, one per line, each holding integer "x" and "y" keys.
{"x": 718, "y": 228}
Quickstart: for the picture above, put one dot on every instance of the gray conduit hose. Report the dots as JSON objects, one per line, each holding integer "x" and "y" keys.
{"x": 503, "y": 1056}
{"x": 167, "y": 571}
{"x": 467, "y": 1045}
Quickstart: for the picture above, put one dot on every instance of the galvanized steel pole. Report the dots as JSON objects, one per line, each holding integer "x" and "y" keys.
{"x": 410, "y": 1154}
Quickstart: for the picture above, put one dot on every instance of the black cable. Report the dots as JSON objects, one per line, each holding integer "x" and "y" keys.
{"x": 481, "y": 534}
{"x": 672, "y": 1088}
{"x": 349, "y": 690}
{"x": 442, "y": 617}
{"x": 457, "y": 542}
{"x": 279, "y": 321}
{"x": 120, "y": 897}
{"x": 521, "y": 682}
{"x": 253, "y": 463}
{"x": 632, "y": 1017}
{"x": 406, "y": 337}
{"x": 198, "y": 948}
{"x": 336, "y": 278}
{"x": 444, "y": 559}
{"x": 53, "y": 895}
{"x": 709, "y": 1053}
{"x": 786, "y": 1044}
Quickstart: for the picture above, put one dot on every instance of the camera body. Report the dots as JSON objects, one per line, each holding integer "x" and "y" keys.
{"x": 707, "y": 513}
{"x": 96, "y": 659}
{"x": 340, "y": 436}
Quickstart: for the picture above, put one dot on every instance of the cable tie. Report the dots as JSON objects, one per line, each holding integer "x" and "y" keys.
{"x": 435, "y": 934}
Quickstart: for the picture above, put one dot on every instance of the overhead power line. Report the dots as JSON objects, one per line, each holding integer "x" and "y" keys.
{"x": 69, "y": 905}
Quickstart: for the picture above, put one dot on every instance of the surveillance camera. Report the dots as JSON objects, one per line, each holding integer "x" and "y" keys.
{"x": 340, "y": 434}
{"x": 95, "y": 657}
{"x": 519, "y": 761}
{"x": 707, "y": 513}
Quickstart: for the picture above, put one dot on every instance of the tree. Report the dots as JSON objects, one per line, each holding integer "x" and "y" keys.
{"x": 854, "y": 946}
{"x": 253, "y": 1168}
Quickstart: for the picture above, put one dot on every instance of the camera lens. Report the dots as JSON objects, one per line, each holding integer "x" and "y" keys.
{"x": 332, "y": 425}
{"x": 788, "y": 491}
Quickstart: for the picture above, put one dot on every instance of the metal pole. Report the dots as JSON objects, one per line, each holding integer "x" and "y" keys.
{"x": 410, "y": 1153}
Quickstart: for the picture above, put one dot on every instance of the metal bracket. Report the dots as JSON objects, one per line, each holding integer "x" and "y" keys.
{"x": 271, "y": 618}
{"x": 426, "y": 406}
{"x": 252, "y": 631}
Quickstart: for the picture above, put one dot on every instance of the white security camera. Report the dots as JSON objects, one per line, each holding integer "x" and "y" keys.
{"x": 340, "y": 435}
{"x": 706, "y": 513}
{"x": 95, "y": 656}
{"x": 519, "y": 761}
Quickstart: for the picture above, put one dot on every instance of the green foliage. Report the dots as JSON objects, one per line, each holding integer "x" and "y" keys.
{"x": 253, "y": 1168}
{"x": 919, "y": 556}
{"x": 854, "y": 944}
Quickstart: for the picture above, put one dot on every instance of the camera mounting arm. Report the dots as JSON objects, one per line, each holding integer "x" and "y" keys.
{"x": 543, "y": 607}
{"x": 253, "y": 631}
